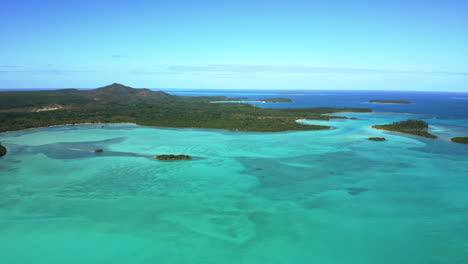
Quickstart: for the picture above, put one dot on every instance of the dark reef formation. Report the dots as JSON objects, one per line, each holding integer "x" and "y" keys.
{"x": 173, "y": 157}
{"x": 356, "y": 191}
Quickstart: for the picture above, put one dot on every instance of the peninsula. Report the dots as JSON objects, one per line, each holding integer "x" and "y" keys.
{"x": 117, "y": 103}
{"x": 389, "y": 102}
{"x": 411, "y": 126}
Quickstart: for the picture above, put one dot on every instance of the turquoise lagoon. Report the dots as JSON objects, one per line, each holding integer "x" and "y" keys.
{"x": 293, "y": 197}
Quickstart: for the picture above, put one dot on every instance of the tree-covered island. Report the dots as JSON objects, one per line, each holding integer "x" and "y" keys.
{"x": 462, "y": 140}
{"x": 117, "y": 103}
{"x": 390, "y": 102}
{"x": 173, "y": 157}
{"x": 376, "y": 139}
{"x": 411, "y": 126}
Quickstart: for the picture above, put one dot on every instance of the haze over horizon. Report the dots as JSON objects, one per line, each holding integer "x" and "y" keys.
{"x": 337, "y": 45}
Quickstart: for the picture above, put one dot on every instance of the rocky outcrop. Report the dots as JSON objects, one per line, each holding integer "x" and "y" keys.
{"x": 173, "y": 157}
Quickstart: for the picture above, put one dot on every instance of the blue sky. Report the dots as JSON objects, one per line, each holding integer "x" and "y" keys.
{"x": 381, "y": 45}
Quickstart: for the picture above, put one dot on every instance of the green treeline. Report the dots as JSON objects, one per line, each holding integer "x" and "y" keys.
{"x": 3, "y": 150}
{"x": 411, "y": 126}
{"x": 117, "y": 103}
{"x": 463, "y": 140}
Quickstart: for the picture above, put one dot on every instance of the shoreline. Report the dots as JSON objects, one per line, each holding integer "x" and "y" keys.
{"x": 401, "y": 132}
{"x": 222, "y": 129}
{"x": 76, "y": 124}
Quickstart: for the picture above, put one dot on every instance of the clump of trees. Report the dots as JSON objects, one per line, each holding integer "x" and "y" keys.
{"x": 377, "y": 139}
{"x": 462, "y": 140}
{"x": 3, "y": 151}
{"x": 411, "y": 126}
{"x": 173, "y": 157}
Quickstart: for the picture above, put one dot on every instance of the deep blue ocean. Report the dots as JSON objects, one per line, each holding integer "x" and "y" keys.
{"x": 443, "y": 105}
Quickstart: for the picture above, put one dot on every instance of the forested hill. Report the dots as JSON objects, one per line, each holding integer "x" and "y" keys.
{"x": 120, "y": 103}
{"x": 114, "y": 93}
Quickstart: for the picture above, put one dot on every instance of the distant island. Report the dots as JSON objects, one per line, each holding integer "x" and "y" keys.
{"x": 276, "y": 100}
{"x": 462, "y": 140}
{"x": 412, "y": 126}
{"x": 117, "y": 103}
{"x": 3, "y": 151}
{"x": 291, "y": 93}
{"x": 270, "y": 100}
{"x": 377, "y": 139}
{"x": 389, "y": 102}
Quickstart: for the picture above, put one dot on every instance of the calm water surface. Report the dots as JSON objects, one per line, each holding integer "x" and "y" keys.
{"x": 293, "y": 197}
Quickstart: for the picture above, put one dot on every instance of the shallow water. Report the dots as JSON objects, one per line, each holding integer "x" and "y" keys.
{"x": 294, "y": 197}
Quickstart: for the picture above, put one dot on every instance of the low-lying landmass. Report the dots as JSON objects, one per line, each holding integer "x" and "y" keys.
{"x": 173, "y": 157}
{"x": 390, "y": 102}
{"x": 269, "y": 100}
{"x": 291, "y": 93}
{"x": 118, "y": 103}
{"x": 377, "y": 139}
{"x": 462, "y": 140}
{"x": 412, "y": 126}
{"x": 3, "y": 151}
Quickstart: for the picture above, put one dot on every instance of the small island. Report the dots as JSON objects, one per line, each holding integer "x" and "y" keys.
{"x": 376, "y": 139}
{"x": 3, "y": 151}
{"x": 389, "y": 102}
{"x": 173, "y": 157}
{"x": 411, "y": 126}
{"x": 462, "y": 140}
{"x": 276, "y": 100}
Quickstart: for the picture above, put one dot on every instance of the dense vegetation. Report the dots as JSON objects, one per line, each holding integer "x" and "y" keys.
{"x": 376, "y": 139}
{"x": 3, "y": 151}
{"x": 390, "y": 102}
{"x": 117, "y": 103}
{"x": 463, "y": 140}
{"x": 173, "y": 157}
{"x": 412, "y": 126}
